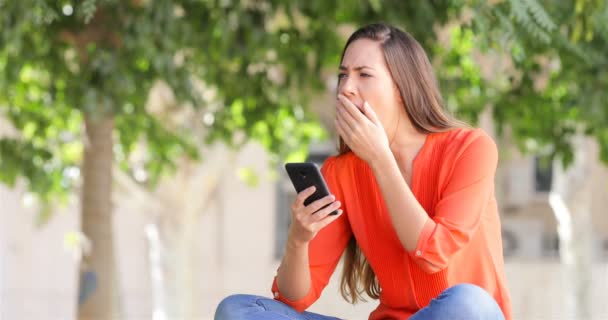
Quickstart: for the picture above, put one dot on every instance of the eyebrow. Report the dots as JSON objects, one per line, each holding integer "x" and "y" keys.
{"x": 356, "y": 68}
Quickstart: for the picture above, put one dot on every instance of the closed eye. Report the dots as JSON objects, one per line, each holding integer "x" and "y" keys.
{"x": 365, "y": 75}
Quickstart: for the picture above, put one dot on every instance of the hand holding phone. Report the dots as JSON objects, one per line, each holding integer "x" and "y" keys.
{"x": 314, "y": 207}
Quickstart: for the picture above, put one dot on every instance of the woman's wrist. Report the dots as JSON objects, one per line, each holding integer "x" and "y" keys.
{"x": 293, "y": 244}
{"x": 381, "y": 160}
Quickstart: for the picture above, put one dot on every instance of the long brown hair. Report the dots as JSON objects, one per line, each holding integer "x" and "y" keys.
{"x": 413, "y": 74}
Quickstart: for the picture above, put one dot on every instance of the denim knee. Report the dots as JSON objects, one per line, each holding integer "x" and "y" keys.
{"x": 231, "y": 307}
{"x": 473, "y": 302}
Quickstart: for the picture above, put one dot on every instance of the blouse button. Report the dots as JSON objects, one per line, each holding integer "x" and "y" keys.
{"x": 276, "y": 294}
{"x": 418, "y": 253}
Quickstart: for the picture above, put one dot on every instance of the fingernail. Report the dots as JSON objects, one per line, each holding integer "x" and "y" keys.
{"x": 340, "y": 211}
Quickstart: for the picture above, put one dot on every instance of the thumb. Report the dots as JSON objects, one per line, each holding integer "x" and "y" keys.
{"x": 369, "y": 112}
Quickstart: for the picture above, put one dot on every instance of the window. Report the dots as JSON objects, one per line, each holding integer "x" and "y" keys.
{"x": 543, "y": 172}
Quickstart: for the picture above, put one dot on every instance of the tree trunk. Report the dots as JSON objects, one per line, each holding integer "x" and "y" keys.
{"x": 98, "y": 289}
{"x": 570, "y": 200}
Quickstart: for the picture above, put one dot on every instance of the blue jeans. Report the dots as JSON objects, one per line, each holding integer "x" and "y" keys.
{"x": 460, "y": 302}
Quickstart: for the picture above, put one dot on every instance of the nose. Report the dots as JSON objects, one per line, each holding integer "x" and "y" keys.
{"x": 347, "y": 87}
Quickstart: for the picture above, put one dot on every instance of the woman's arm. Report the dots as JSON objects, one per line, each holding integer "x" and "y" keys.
{"x": 314, "y": 246}
{"x": 293, "y": 276}
{"x": 457, "y": 215}
{"x": 464, "y": 196}
{"x": 407, "y": 215}
{"x": 363, "y": 133}
{"x": 306, "y": 268}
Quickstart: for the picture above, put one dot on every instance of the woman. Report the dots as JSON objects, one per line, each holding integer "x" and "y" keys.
{"x": 418, "y": 223}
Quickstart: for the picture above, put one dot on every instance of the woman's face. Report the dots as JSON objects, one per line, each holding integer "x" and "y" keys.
{"x": 364, "y": 76}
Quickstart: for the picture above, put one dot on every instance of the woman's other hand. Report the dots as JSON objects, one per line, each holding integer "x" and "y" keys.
{"x": 361, "y": 129}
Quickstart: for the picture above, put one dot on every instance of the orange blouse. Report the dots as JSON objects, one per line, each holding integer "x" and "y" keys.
{"x": 453, "y": 179}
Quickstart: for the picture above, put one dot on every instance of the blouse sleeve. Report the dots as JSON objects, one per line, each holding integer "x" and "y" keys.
{"x": 462, "y": 203}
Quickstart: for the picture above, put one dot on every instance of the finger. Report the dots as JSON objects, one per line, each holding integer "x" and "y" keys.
{"x": 315, "y": 206}
{"x": 327, "y": 220}
{"x": 342, "y": 123}
{"x": 371, "y": 115}
{"x": 342, "y": 132}
{"x": 351, "y": 109}
{"x": 302, "y": 196}
{"x": 321, "y": 214}
{"x": 347, "y": 120}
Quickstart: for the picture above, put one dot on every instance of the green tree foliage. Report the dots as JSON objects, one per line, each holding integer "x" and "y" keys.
{"x": 264, "y": 59}
{"x": 560, "y": 52}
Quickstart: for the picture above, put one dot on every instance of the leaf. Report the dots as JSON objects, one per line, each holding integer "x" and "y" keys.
{"x": 249, "y": 176}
